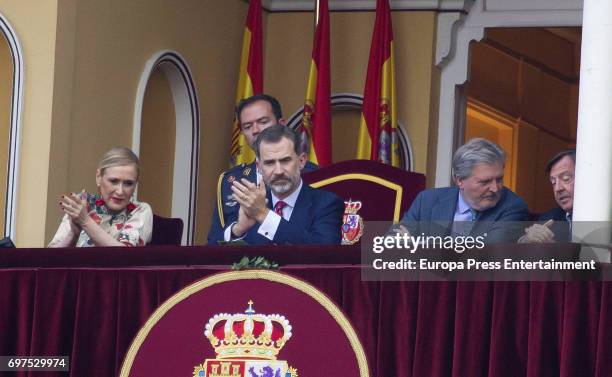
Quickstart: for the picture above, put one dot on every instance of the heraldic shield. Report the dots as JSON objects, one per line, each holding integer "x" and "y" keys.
{"x": 253, "y": 323}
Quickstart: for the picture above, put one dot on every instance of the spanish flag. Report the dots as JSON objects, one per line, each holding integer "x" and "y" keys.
{"x": 250, "y": 81}
{"x": 378, "y": 130}
{"x": 316, "y": 124}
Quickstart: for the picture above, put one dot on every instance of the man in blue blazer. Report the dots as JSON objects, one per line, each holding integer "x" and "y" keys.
{"x": 284, "y": 210}
{"x": 560, "y": 170}
{"x": 254, "y": 114}
{"x": 479, "y": 205}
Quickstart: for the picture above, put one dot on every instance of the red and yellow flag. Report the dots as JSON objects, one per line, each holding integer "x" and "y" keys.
{"x": 316, "y": 124}
{"x": 378, "y": 130}
{"x": 250, "y": 81}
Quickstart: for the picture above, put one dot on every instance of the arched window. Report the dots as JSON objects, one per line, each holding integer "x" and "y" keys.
{"x": 170, "y": 70}
{"x": 11, "y": 94}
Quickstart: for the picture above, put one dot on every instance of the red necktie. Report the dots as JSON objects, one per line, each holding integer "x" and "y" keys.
{"x": 278, "y": 207}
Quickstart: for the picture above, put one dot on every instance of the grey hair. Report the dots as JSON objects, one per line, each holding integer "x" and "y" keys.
{"x": 474, "y": 152}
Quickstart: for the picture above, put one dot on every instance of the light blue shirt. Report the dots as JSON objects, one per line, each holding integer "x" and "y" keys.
{"x": 462, "y": 213}
{"x": 464, "y": 218}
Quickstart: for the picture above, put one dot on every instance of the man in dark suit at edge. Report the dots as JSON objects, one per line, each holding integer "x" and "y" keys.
{"x": 478, "y": 205}
{"x": 254, "y": 114}
{"x": 556, "y": 224}
{"x": 285, "y": 210}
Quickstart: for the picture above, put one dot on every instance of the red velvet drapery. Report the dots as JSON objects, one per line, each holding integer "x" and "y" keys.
{"x": 89, "y": 304}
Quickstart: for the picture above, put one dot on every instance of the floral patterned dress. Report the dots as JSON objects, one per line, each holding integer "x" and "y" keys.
{"x": 133, "y": 226}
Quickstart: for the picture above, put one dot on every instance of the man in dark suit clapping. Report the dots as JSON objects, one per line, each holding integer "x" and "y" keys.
{"x": 285, "y": 210}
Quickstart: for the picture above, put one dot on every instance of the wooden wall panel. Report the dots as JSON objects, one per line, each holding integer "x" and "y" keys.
{"x": 526, "y": 174}
{"x": 510, "y": 71}
{"x": 484, "y": 123}
{"x": 528, "y": 75}
{"x": 539, "y": 46}
{"x": 493, "y": 78}
{"x": 545, "y": 101}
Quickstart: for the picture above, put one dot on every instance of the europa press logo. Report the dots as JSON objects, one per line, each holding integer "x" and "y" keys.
{"x": 246, "y": 345}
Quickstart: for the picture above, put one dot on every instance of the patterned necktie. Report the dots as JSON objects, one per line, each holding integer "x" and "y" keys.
{"x": 464, "y": 228}
{"x": 470, "y": 224}
{"x": 278, "y": 207}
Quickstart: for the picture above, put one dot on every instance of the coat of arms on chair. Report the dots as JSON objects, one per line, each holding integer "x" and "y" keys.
{"x": 246, "y": 345}
{"x": 352, "y": 223}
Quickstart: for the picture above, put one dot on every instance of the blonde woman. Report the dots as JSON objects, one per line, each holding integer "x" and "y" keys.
{"x": 111, "y": 217}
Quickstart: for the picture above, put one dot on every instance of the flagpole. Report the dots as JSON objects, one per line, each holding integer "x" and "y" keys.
{"x": 316, "y": 17}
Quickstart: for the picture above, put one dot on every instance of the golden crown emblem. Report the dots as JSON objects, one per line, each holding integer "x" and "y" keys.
{"x": 246, "y": 344}
{"x": 352, "y": 207}
{"x": 248, "y": 335}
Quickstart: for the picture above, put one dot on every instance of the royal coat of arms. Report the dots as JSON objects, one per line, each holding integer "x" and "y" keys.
{"x": 352, "y": 223}
{"x": 246, "y": 345}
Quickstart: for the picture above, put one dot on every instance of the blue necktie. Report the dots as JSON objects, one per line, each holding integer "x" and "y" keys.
{"x": 464, "y": 228}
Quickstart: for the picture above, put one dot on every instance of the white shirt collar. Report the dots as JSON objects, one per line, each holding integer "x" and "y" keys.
{"x": 291, "y": 199}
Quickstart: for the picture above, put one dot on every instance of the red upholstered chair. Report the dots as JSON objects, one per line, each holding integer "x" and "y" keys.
{"x": 385, "y": 192}
{"x": 167, "y": 231}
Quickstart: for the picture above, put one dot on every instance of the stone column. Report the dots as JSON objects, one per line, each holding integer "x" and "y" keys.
{"x": 593, "y": 183}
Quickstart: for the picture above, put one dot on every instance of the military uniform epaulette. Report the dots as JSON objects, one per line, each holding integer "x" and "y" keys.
{"x": 224, "y": 189}
{"x": 235, "y": 168}
{"x": 238, "y": 171}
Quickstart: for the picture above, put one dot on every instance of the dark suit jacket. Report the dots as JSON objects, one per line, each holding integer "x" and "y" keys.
{"x": 560, "y": 227}
{"x": 225, "y": 201}
{"x": 316, "y": 219}
{"x": 433, "y": 210}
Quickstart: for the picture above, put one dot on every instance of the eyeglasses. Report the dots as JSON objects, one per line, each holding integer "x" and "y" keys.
{"x": 563, "y": 178}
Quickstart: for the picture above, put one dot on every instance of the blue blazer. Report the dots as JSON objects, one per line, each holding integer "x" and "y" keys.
{"x": 433, "y": 210}
{"x": 316, "y": 219}
{"x": 225, "y": 201}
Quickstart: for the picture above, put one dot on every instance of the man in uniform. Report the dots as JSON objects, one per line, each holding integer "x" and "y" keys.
{"x": 254, "y": 114}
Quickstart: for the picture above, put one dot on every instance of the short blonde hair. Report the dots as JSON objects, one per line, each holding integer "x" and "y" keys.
{"x": 119, "y": 156}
